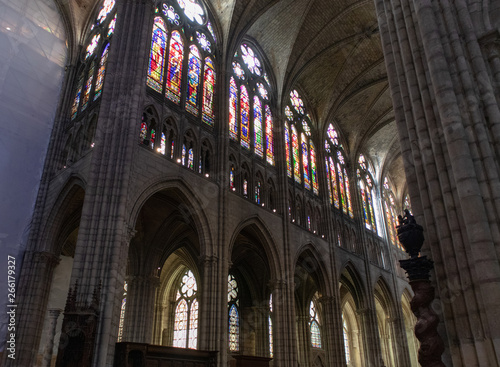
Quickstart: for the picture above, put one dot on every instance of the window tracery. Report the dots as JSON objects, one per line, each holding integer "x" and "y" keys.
{"x": 250, "y": 117}
{"x": 367, "y": 191}
{"x": 90, "y": 78}
{"x": 314, "y": 323}
{"x": 390, "y": 213}
{"x": 183, "y": 38}
{"x": 233, "y": 304}
{"x": 300, "y": 149}
{"x": 338, "y": 178}
{"x": 186, "y": 313}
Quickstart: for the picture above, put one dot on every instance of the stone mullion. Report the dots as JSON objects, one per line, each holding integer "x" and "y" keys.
{"x": 303, "y": 340}
{"x": 31, "y": 310}
{"x": 138, "y": 326}
{"x": 279, "y": 317}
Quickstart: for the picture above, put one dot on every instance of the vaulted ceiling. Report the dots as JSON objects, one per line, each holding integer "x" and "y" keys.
{"x": 329, "y": 50}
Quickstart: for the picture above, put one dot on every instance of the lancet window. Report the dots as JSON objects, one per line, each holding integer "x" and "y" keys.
{"x": 250, "y": 100}
{"x": 90, "y": 79}
{"x": 233, "y": 305}
{"x": 181, "y": 64}
{"x": 314, "y": 323}
{"x": 186, "y": 313}
{"x": 338, "y": 179}
{"x": 367, "y": 191}
{"x": 390, "y": 213}
{"x": 300, "y": 149}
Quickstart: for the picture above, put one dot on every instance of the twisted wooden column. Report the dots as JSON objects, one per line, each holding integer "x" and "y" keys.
{"x": 418, "y": 269}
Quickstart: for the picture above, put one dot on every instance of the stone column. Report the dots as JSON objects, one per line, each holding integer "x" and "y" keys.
{"x": 332, "y": 330}
{"x": 371, "y": 340}
{"x": 139, "y": 312}
{"x": 447, "y": 116}
{"x": 33, "y": 291}
{"x": 303, "y": 339}
{"x": 47, "y": 353}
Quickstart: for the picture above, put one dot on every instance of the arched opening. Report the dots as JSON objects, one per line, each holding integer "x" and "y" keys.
{"x": 310, "y": 310}
{"x": 249, "y": 296}
{"x": 64, "y": 235}
{"x": 384, "y": 309}
{"x": 163, "y": 279}
{"x": 352, "y": 300}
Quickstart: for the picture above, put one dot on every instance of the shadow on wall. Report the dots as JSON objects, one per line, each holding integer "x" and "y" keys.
{"x": 32, "y": 58}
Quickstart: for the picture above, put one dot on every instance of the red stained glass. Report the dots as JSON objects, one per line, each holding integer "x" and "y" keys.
{"x": 257, "y": 126}
{"x": 314, "y": 175}
{"x": 157, "y": 55}
{"x": 233, "y": 107}
{"x": 305, "y": 161}
{"x": 295, "y": 154}
{"x": 245, "y": 118}
{"x": 287, "y": 144}
{"x": 174, "y": 70}
{"x": 269, "y": 136}
{"x": 194, "y": 70}
{"x": 208, "y": 92}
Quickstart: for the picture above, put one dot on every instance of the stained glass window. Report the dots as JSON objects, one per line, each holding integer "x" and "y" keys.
{"x": 245, "y": 118}
{"x": 190, "y": 159}
{"x": 186, "y": 313}
{"x": 144, "y": 131}
{"x": 287, "y": 144}
{"x": 111, "y": 27}
{"x": 184, "y": 153}
{"x": 314, "y": 325}
{"x": 162, "y": 144}
{"x": 122, "y": 313}
{"x": 314, "y": 175}
{"x": 245, "y": 187}
{"x": 407, "y": 203}
{"x": 305, "y": 161}
{"x": 157, "y": 55}
{"x": 76, "y": 100}
{"x": 390, "y": 213}
{"x": 297, "y": 102}
{"x": 193, "y": 10}
{"x": 257, "y": 126}
{"x": 269, "y": 136}
{"x": 339, "y": 184}
{"x": 234, "y": 317}
{"x": 101, "y": 72}
{"x": 194, "y": 69}
{"x": 295, "y": 154}
{"x": 92, "y": 46}
{"x": 248, "y": 108}
{"x": 233, "y": 108}
{"x": 208, "y": 92}
{"x": 105, "y": 10}
{"x": 88, "y": 86}
{"x": 365, "y": 183}
{"x": 152, "y": 139}
{"x": 174, "y": 70}
{"x": 231, "y": 179}
{"x": 257, "y": 192}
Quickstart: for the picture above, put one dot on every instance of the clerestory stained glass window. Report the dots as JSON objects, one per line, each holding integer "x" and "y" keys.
{"x": 181, "y": 28}
{"x": 186, "y": 313}
{"x": 250, "y": 117}
{"x": 390, "y": 213}
{"x": 338, "y": 179}
{"x": 92, "y": 71}
{"x": 300, "y": 152}
{"x": 366, "y": 188}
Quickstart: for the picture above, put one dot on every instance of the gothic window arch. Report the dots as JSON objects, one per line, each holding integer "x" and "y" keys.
{"x": 300, "y": 149}
{"x": 122, "y": 313}
{"x": 250, "y": 104}
{"x": 314, "y": 323}
{"x": 390, "y": 213}
{"x": 149, "y": 129}
{"x": 367, "y": 191}
{"x": 346, "y": 333}
{"x": 258, "y": 189}
{"x": 338, "y": 178}
{"x": 92, "y": 69}
{"x": 233, "y": 306}
{"x": 181, "y": 55}
{"x": 186, "y": 312}
{"x": 271, "y": 194}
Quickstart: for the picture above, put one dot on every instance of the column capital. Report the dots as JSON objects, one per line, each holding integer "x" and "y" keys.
{"x": 276, "y": 284}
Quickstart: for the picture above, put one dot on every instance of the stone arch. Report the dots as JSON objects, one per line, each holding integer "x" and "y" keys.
{"x": 386, "y": 314}
{"x": 353, "y": 283}
{"x": 255, "y": 264}
{"x": 192, "y": 206}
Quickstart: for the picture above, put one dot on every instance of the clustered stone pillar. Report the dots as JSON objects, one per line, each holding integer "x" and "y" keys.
{"x": 418, "y": 268}
{"x": 47, "y": 354}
